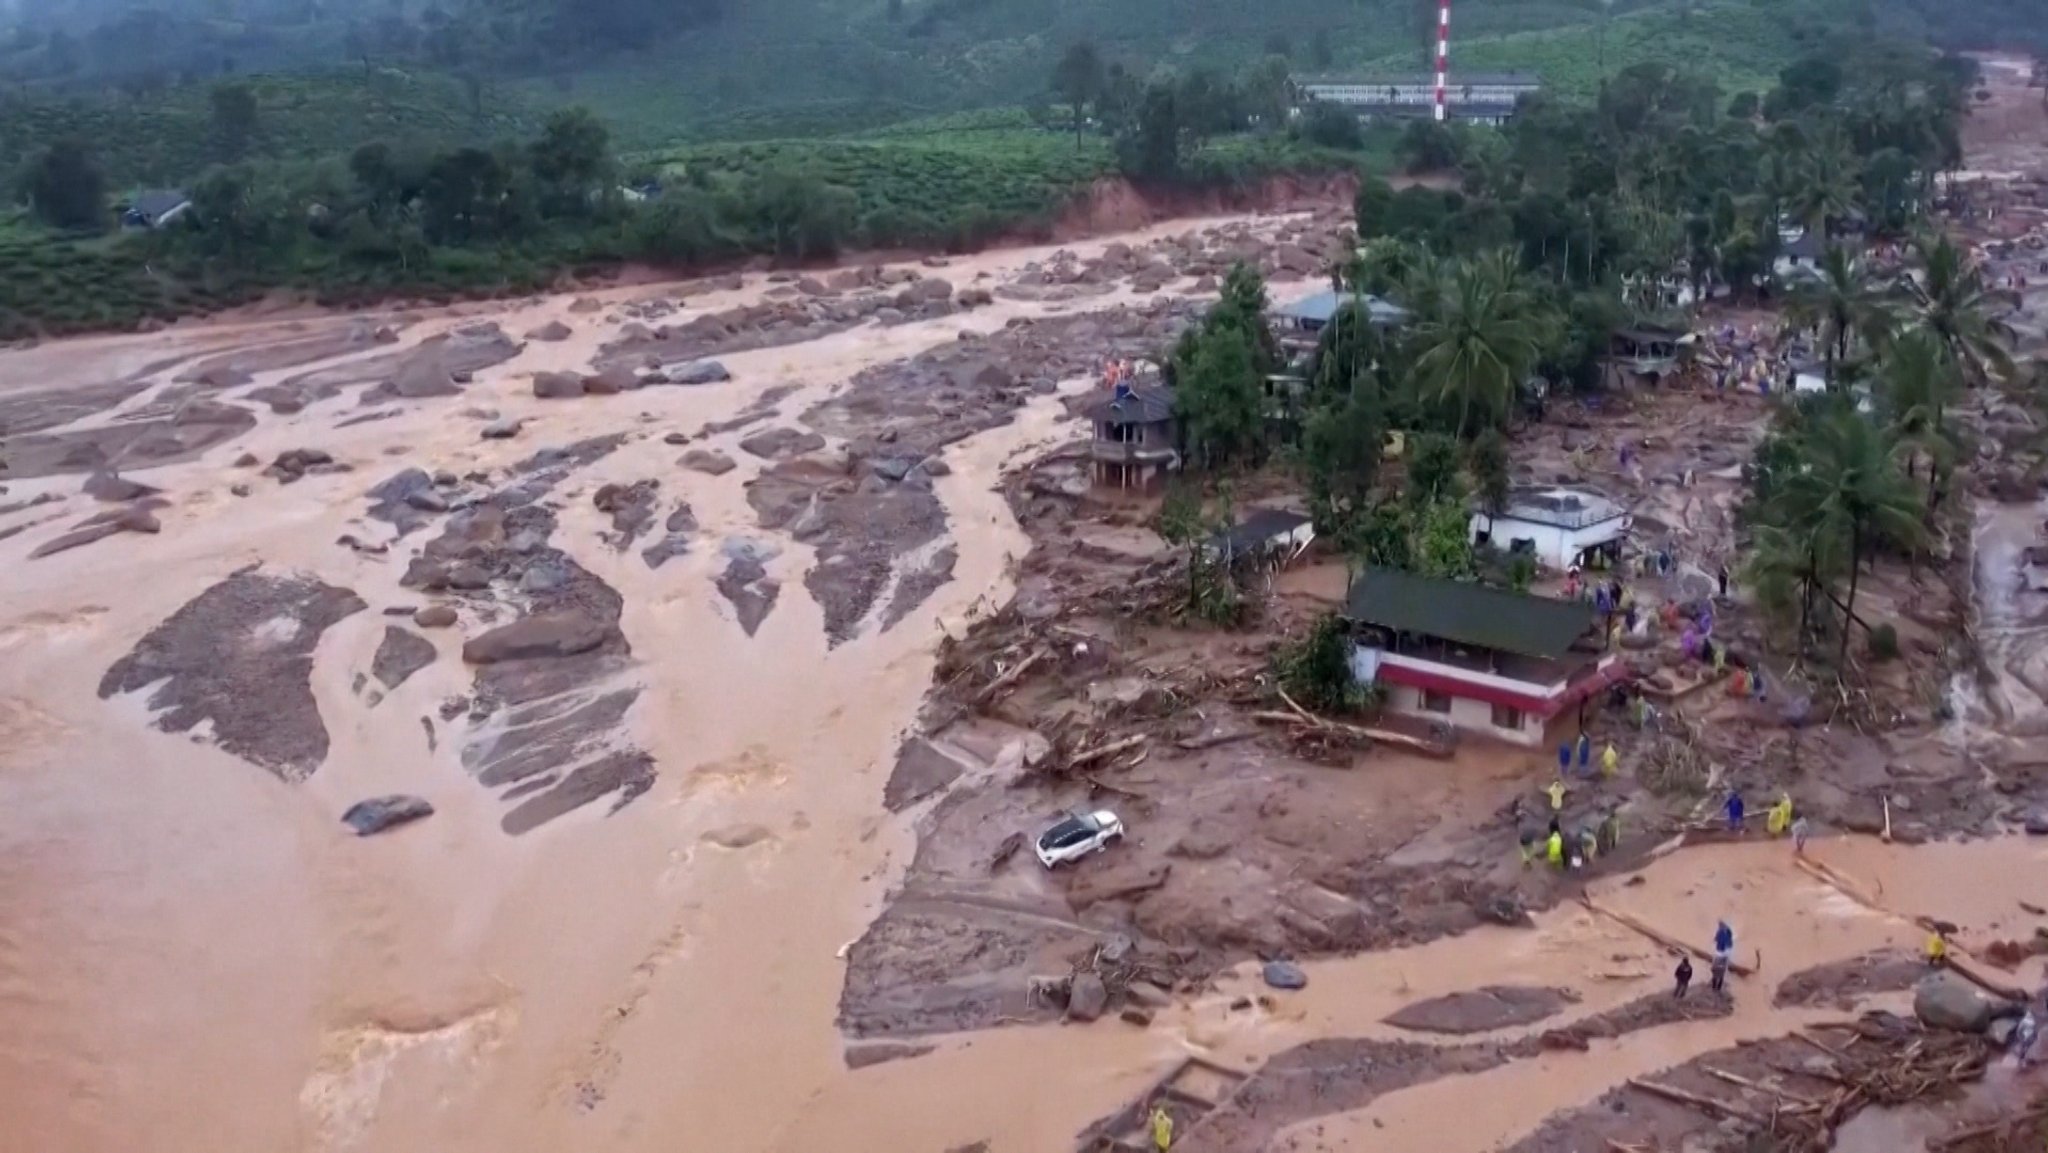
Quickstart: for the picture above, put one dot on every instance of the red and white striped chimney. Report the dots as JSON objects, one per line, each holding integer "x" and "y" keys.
{"x": 1443, "y": 54}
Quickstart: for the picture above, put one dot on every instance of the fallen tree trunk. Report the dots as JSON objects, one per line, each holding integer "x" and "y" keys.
{"x": 1668, "y": 941}
{"x": 1964, "y": 1136}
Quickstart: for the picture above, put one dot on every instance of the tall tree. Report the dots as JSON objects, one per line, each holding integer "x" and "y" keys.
{"x": 65, "y": 187}
{"x": 1917, "y": 383}
{"x": 1825, "y": 183}
{"x": 571, "y": 161}
{"x": 1948, "y": 297}
{"x": 1850, "y": 489}
{"x": 1477, "y": 339}
{"x": 1843, "y": 301}
{"x": 1078, "y": 81}
{"x": 235, "y": 119}
{"x": 1218, "y": 398}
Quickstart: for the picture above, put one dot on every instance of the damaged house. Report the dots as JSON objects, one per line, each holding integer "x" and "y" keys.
{"x": 1487, "y": 662}
{"x": 1137, "y": 438}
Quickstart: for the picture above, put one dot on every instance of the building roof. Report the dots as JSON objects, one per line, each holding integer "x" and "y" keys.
{"x": 1259, "y": 526}
{"x": 1468, "y": 614}
{"x": 1454, "y": 80}
{"x": 1132, "y": 404}
{"x": 1323, "y": 306}
{"x": 1564, "y": 507}
{"x": 156, "y": 203}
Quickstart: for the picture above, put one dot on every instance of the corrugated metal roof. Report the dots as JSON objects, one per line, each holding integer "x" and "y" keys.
{"x": 1468, "y": 614}
{"x": 1259, "y": 526}
{"x": 1324, "y": 305}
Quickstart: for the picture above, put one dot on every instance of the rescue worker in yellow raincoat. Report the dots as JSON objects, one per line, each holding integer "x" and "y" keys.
{"x": 1610, "y": 761}
{"x": 1780, "y": 817}
{"x": 1162, "y": 1130}
{"x": 1554, "y": 850}
{"x": 1937, "y": 949}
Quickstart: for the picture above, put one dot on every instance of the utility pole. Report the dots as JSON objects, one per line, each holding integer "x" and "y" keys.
{"x": 1443, "y": 54}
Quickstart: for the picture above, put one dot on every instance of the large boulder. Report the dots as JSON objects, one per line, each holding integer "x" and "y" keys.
{"x": 114, "y": 488}
{"x": 698, "y": 372}
{"x": 615, "y": 379}
{"x": 707, "y": 460}
{"x": 381, "y": 813}
{"x": 552, "y": 331}
{"x": 1087, "y": 997}
{"x": 557, "y": 385}
{"x": 542, "y": 636}
{"x": 1285, "y": 975}
{"x": 1945, "y": 1001}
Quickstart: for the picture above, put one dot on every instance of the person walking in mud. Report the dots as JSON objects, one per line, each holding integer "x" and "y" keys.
{"x": 1717, "y": 979}
{"x": 1800, "y": 828}
{"x": 1734, "y": 811}
{"x": 1683, "y": 977}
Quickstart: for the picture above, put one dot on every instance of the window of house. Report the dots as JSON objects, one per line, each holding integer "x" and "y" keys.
{"x": 1435, "y": 702}
{"x": 1506, "y": 718}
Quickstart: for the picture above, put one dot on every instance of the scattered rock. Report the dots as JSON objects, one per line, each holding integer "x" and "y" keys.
{"x": 434, "y": 617}
{"x": 611, "y": 381}
{"x": 698, "y": 372}
{"x": 543, "y": 636}
{"x": 295, "y": 463}
{"x": 427, "y": 500}
{"x": 586, "y": 304}
{"x": 1087, "y": 998}
{"x": 1135, "y": 1016}
{"x": 676, "y": 438}
{"x": 543, "y": 577}
{"x": 239, "y": 489}
{"x": 2037, "y": 823}
{"x": 551, "y": 332}
{"x": 557, "y": 385}
{"x": 504, "y": 429}
{"x": 1284, "y": 975}
{"x": 738, "y": 836}
{"x": 775, "y": 443}
{"x": 113, "y": 488}
{"x": 707, "y": 460}
{"x": 1943, "y": 1001}
{"x": 380, "y": 814}
{"x": 400, "y": 655}
{"x": 862, "y": 1056}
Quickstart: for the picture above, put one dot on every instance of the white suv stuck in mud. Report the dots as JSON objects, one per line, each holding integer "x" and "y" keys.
{"x": 1076, "y": 837}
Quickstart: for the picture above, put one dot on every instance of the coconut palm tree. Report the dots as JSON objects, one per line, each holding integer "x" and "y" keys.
{"x": 1844, "y": 300}
{"x": 1849, "y": 489}
{"x": 1948, "y": 297}
{"x": 1825, "y": 183}
{"x": 1917, "y": 384}
{"x": 1478, "y": 333}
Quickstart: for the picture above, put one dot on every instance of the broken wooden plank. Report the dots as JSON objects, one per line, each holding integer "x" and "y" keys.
{"x": 1197, "y": 744}
{"x": 1002, "y": 682}
{"x": 1111, "y": 749}
{"x": 1746, "y": 1083}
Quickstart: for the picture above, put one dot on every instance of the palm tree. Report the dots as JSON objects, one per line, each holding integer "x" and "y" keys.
{"x": 1825, "y": 183}
{"x": 1845, "y": 299}
{"x": 1948, "y": 297}
{"x": 1849, "y": 489}
{"x": 1918, "y": 384}
{"x": 1478, "y": 335}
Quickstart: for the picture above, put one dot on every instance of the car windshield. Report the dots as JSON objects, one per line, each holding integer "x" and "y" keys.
{"x": 1068, "y": 832}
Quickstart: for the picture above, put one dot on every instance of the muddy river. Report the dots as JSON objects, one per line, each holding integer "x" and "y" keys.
{"x": 196, "y": 955}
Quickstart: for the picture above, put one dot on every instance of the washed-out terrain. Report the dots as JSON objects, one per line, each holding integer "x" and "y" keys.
{"x": 666, "y": 629}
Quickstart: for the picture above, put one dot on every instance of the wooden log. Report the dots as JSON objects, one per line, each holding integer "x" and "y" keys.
{"x": 1669, "y": 1093}
{"x": 1665, "y": 939}
{"x": 1746, "y": 1083}
{"x": 1109, "y": 750}
{"x": 996, "y": 686}
{"x": 1197, "y": 744}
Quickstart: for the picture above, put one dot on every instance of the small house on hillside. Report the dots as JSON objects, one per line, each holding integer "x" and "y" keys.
{"x": 1800, "y": 256}
{"x": 1642, "y": 356}
{"x": 155, "y": 209}
{"x": 1560, "y": 527}
{"x": 1485, "y": 661}
{"x": 1137, "y": 439}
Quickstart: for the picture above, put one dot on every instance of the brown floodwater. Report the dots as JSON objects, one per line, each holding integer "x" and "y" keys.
{"x": 196, "y": 956}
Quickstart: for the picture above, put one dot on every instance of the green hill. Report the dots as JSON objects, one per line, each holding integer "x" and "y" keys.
{"x": 167, "y": 136}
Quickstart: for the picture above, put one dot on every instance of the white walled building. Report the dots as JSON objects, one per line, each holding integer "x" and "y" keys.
{"x": 1487, "y": 98}
{"x": 1560, "y": 527}
{"x": 1487, "y": 662}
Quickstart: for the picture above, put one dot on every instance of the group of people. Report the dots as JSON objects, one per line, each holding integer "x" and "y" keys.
{"x": 1717, "y": 969}
{"x": 1779, "y": 820}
